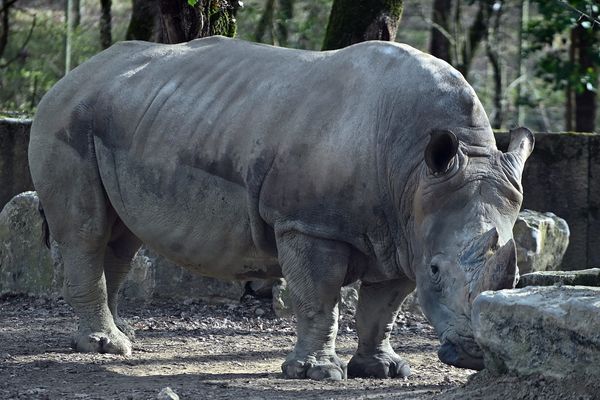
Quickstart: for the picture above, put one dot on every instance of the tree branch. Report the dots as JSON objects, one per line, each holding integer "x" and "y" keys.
{"x": 25, "y": 42}
{"x": 7, "y": 5}
{"x": 566, "y": 4}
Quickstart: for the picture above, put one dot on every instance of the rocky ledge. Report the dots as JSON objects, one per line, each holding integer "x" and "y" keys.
{"x": 552, "y": 331}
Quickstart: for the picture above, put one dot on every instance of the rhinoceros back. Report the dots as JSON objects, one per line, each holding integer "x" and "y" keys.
{"x": 203, "y": 148}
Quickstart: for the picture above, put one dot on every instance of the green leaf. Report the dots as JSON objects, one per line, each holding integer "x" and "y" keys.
{"x": 192, "y": 2}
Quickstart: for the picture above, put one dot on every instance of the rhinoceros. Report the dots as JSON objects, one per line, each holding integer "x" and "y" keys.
{"x": 237, "y": 160}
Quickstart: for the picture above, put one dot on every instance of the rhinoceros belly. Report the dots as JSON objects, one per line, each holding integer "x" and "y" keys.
{"x": 188, "y": 215}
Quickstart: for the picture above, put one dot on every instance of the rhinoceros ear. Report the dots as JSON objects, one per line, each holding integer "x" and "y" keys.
{"x": 521, "y": 142}
{"x": 442, "y": 147}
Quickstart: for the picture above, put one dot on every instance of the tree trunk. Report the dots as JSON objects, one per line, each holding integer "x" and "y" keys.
{"x": 477, "y": 32}
{"x": 144, "y": 20}
{"x": 353, "y": 21}
{"x": 5, "y": 28}
{"x": 265, "y": 24}
{"x": 76, "y": 12}
{"x": 569, "y": 105}
{"x": 180, "y": 22}
{"x": 285, "y": 13}
{"x": 440, "y": 42}
{"x": 105, "y": 24}
{"x": 495, "y": 61}
{"x": 585, "y": 99}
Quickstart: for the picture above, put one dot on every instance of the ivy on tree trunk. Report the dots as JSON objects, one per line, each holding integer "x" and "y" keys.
{"x": 353, "y": 21}
{"x": 176, "y": 21}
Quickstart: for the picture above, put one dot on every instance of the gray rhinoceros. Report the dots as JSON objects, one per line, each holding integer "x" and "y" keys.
{"x": 239, "y": 160}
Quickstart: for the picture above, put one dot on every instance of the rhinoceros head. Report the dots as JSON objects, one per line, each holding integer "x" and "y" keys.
{"x": 466, "y": 204}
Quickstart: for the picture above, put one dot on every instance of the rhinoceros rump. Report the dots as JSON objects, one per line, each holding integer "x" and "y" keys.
{"x": 238, "y": 160}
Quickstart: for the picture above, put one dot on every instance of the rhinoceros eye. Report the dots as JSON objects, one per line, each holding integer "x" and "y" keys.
{"x": 435, "y": 271}
{"x": 435, "y": 276}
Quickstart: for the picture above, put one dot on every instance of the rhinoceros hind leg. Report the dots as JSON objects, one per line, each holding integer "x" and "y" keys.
{"x": 117, "y": 263}
{"x": 65, "y": 172}
{"x": 378, "y": 305}
{"x": 314, "y": 270}
{"x": 85, "y": 290}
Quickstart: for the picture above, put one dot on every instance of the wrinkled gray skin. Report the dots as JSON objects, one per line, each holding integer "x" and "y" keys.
{"x": 375, "y": 162}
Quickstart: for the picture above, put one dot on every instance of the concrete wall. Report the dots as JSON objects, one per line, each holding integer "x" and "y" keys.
{"x": 14, "y": 165}
{"x": 562, "y": 176}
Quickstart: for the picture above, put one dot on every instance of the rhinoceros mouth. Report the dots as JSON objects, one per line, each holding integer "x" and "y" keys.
{"x": 457, "y": 356}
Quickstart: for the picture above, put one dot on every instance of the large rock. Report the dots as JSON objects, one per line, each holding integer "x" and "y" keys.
{"x": 27, "y": 266}
{"x": 552, "y": 331}
{"x": 584, "y": 277}
{"x": 541, "y": 239}
{"x": 153, "y": 276}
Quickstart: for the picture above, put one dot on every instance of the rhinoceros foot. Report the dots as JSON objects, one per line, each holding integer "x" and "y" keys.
{"x": 327, "y": 367}
{"x": 378, "y": 365}
{"x": 101, "y": 342}
{"x": 125, "y": 328}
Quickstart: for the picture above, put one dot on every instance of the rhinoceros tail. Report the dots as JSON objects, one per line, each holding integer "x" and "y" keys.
{"x": 45, "y": 229}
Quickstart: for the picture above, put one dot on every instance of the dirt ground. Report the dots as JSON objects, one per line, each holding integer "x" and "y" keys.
{"x": 225, "y": 351}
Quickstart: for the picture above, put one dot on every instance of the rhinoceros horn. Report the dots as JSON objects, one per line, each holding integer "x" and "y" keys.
{"x": 493, "y": 267}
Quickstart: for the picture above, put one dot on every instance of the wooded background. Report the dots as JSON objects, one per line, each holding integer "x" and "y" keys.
{"x": 531, "y": 62}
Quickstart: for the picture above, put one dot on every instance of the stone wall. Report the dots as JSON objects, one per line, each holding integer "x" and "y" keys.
{"x": 562, "y": 176}
{"x": 14, "y": 164}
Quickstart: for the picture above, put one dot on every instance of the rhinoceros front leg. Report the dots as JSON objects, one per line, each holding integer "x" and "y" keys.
{"x": 315, "y": 270}
{"x": 378, "y": 305}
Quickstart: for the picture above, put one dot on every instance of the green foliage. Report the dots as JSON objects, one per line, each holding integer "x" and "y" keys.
{"x": 549, "y": 39}
{"x": 220, "y": 15}
{"x": 41, "y": 63}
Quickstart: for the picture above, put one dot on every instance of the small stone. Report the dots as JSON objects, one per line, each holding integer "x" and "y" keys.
{"x": 259, "y": 311}
{"x": 167, "y": 394}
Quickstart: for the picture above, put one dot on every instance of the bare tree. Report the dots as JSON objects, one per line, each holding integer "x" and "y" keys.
{"x": 492, "y": 51}
{"x": 440, "y": 43}
{"x": 105, "y": 23}
{"x": 5, "y": 21}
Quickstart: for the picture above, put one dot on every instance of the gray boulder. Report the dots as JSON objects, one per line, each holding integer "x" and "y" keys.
{"x": 584, "y": 277}
{"x": 541, "y": 239}
{"x": 154, "y": 277}
{"x": 553, "y": 331}
{"x": 26, "y": 265}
